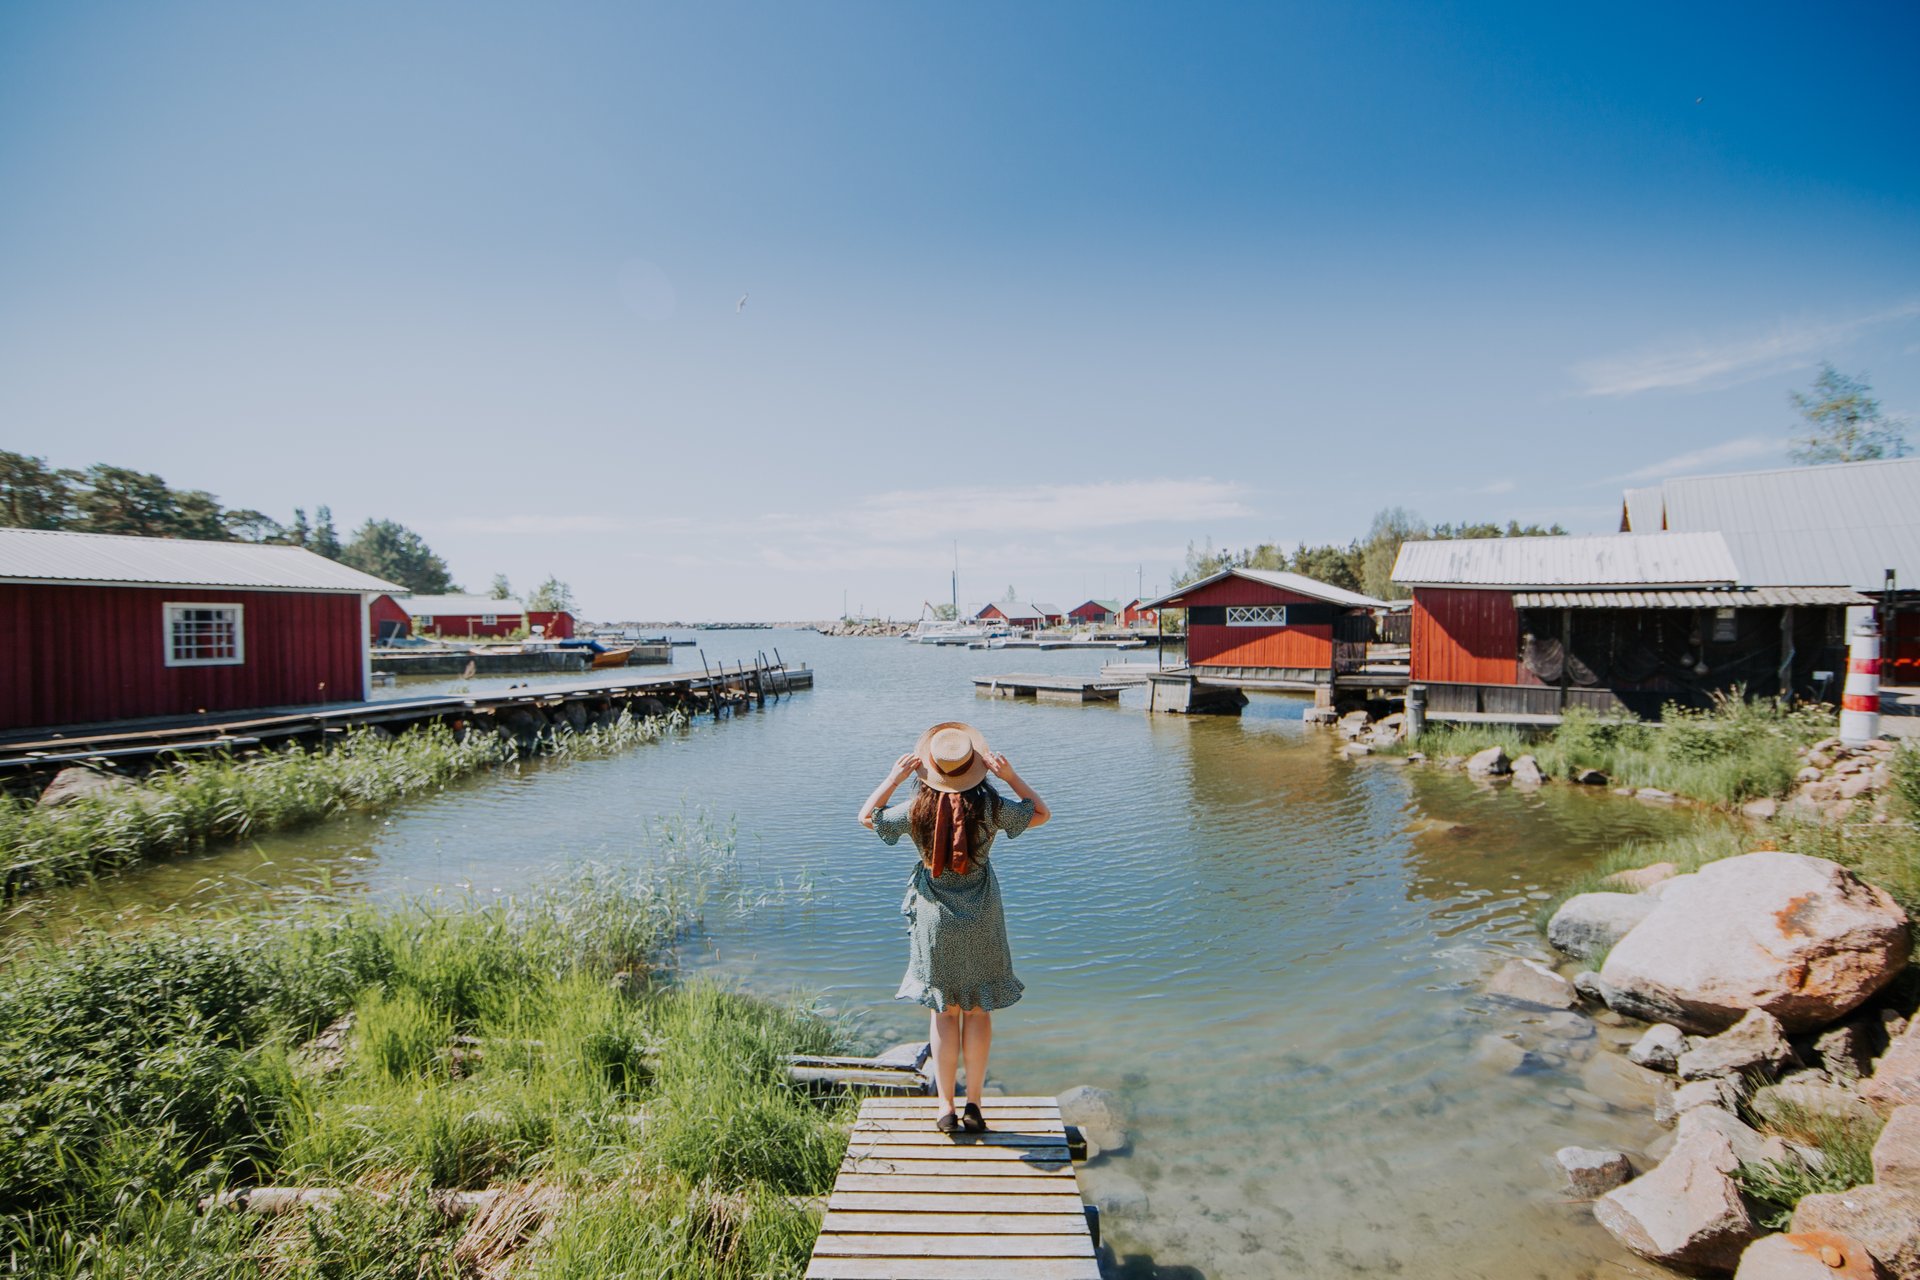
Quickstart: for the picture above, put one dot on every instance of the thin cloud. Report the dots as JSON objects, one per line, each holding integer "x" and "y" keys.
{"x": 1718, "y": 455}
{"x": 1699, "y": 365}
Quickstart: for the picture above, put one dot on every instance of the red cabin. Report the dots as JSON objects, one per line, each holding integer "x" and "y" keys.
{"x": 463, "y": 616}
{"x": 388, "y": 620}
{"x": 1014, "y": 615}
{"x": 1259, "y": 624}
{"x": 1095, "y": 613}
{"x": 98, "y": 627}
{"x": 1136, "y": 614}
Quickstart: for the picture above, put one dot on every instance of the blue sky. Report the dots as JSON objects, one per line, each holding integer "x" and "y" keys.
{"x": 1071, "y": 284}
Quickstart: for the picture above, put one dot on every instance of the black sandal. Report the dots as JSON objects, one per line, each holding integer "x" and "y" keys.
{"x": 948, "y": 1123}
{"x": 971, "y": 1120}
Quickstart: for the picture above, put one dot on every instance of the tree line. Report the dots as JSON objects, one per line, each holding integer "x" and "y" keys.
{"x": 107, "y": 499}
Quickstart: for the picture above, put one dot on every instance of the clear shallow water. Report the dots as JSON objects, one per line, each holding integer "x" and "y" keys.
{"x": 1274, "y": 956}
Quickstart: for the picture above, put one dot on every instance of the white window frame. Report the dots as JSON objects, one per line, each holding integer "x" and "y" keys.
{"x": 489, "y": 619}
{"x": 171, "y": 608}
{"x": 1256, "y": 615}
{"x": 424, "y": 620}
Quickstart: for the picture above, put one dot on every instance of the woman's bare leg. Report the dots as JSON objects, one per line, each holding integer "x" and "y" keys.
{"x": 976, "y": 1031}
{"x": 944, "y": 1031}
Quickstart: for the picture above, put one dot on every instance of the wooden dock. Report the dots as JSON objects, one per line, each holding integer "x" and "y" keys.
{"x": 911, "y": 1203}
{"x": 1050, "y": 688}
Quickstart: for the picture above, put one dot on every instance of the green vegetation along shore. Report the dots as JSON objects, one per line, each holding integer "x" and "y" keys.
{"x": 207, "y": 800}
{"x": 495, "y": 1091}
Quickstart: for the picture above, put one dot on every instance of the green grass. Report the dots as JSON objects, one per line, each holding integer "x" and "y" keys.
{"x": 531, "y": 1044}
{"x": 1845, "y": 1144}
{"x": 208, "y": 800}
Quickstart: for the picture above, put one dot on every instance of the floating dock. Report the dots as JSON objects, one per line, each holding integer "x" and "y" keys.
{"x": 911, "y": 1203}
{"x": 1051, "y": 688}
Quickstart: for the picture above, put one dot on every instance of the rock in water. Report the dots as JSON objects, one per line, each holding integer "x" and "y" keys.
{"x": 1592, "y": 1173}
{"x": 1808, "y": 1255}
{"x": 1687, "y": 1213}
{"x": 1884, "y": 1219}
{"x": 1896, "y": 1156}
{"x": 1755, "y": 1045}
{"x": 1532, "y": 983}
{"x": 1896, "y": 1075}
{"x": 1660, "y": 1048}
{"x": 1100, "y": 1115}
{"x": 1802, "y": 938}
{"x": 1591, "y": 924}
{"x": 77, "y": 782}
{"x": 1527, "y": 772}
{"x": 1490, "y": 763}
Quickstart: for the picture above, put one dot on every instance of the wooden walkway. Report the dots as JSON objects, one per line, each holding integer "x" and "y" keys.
{"x": 914, "y": 1204}
{"x": 1050, "y": 688}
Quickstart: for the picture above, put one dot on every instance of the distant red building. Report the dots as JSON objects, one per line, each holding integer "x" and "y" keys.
{"x": 1096, "y": 613}
{"x": 97, "y": 627}
{"x": 387, "y": 620}
{"x": 1135, "y": 614}
{"x": 1014, "y": 615}
{"x": 555, "y": 624}
{"x": 461, "y": 616}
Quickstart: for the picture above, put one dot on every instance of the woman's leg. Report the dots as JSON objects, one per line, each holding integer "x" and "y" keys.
{"x": 944, "y": 1031}
{"x": 976, "y": 1030}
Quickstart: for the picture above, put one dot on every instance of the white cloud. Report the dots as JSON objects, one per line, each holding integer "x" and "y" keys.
{"x": 1497, "y": 486}
{"x": 1717, "y": 455}
{"x": 1697, "y": 364}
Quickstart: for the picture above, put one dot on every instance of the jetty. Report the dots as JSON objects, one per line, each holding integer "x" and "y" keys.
{"x": 521, "y": 711}
{"x": 911, "y": 1203}
{"x": 1053, "y": 688}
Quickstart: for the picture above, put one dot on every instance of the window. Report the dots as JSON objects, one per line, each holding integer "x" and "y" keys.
{"x": 1726, "y": 627}
{"x": 489, "y": 619}
{"x": 424, "y": 621}
{"x": 205, "y": 635}
{"x": 1256, "y": 615}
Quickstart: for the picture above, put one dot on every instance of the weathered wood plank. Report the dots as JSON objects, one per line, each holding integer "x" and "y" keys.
{"x": 916, "y": 1136}
{"x": 953, "y": 1269}
{"x": 953, "y": 1151}
{"x": 957, "y": 1168}
{"x": 891, "y": 1202}
{"x": 857, "y": 1222}
{"x": 1047, "y": 1104}
{"x": 892, "y": 1246}
{"x": 949, "y": 1184}
{"x": 1051, "y": 1128}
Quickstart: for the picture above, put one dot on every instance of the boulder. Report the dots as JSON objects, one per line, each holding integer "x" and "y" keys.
{"x": 1809, "y": 1255}
{"x": 1588, "y": 984}
{"x": 1640, "y": 879}
{"x": 1531, "y": 982}
{"x": 1755, "y": 1045}
{"x": 1761, "y": 810}
{"x": 1100, "y": 1115}
{"x": 1660, "y": 1048}
{"x": 1588, "y": 925}
{"x": 1776, "y": 1102}
{"x": 1654, "y": 795}
{"x": 1505, "y": 1055}
{"x": 1592, "y": 1173}
{"x": 1896, "y": 1156}
{"x": 1687, "y": 1213}
{"x": 1490, "y": 763}
{"x": 1669, "y": 1107}
{"x": 1845, "y": 1051}
{"x": 1527, "y": 772}
{"x": 1622, "y": 1084}
{"x": 77, "y": 782}
{"x": 1896, "y": 1075}
{"x": 1884, "y": 1219}
{"x": 1802, "y": 938}
{"x": 1749, "y": 1145}
{"x": 1590, "y": 778}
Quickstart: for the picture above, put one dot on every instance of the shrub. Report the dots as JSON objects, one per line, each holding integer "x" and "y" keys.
{"x": 1845, "y": 1160}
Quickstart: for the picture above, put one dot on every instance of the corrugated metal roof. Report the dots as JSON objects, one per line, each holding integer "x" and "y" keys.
{"x": 1604, "y": 560}
{"x": 1687, "y": 598}
{"x": 1641, "y": 511}
{"x": 1046, "y": 610}
{"x": 1848, "y": 523}
{"x": 1295, "y": 582}
{"x": 48, "y": 555}
{"x": 457, "y": 606}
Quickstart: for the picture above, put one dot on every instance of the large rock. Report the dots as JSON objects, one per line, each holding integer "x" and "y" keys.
{"x": 1749, "y": 1145}
{"x": 1531, "y": 982}
{"x": 1660, "y": 1048}
{"x": 1788, "y": 1099}
{"x": 1809, "y": 1255}
{"x": 1687, "y": 1213}
{"x": 77, "y": 782}
{"x": 1589, "y": 925}
{"x": 1802, "y": 938}
{"x": 1885, "y": 1219}
{"x": 1592, "y": 1173}
{"x": 1639, "y": 879}
{"x": 1100, "y": 1115}
{"x": 1527, "y": 772}
{"x": 1755, "y": 1045}
{"x": 1896, "y": 1156}
{"x": 1669, "y": 1107}
{"x": 1896, "y": 1075}
{"x": 1490, "y": 763}
{"x": 1845, "y": 1051}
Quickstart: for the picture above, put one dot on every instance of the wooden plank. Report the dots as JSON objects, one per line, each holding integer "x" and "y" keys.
{"x": 894, "y": 1246}
{"x": 928, "y": 1109}
{"x": 956, "y": 1151}
{"x": 953, "y": 1269}
{"x": 949, "y": 1184}
{"x": 887, "y": 1202}
{"x": 919, "y": 1124}
{"x": 854, "y": 1222}
{"x": 1023, "y": 1100}
{"x": 876, "y": 1166}
{"x": 918, "y": 1136}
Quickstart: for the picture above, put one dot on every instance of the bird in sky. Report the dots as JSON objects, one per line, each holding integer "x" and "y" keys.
{"x": 741, "y": 305}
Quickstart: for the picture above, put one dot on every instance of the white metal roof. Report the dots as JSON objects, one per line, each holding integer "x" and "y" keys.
{"x": 1684, "y": 598}
{"x": 1295, "y": 582}
{"x": 1604, "y": 560}
{"x": 1846, "y": 523}
{"x": 1640, "y": 511}
{"x": 458, "y": 606}
{"x": 56, "y": 555}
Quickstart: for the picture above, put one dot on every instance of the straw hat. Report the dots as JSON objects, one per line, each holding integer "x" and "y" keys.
{"x": 955, "y": 756}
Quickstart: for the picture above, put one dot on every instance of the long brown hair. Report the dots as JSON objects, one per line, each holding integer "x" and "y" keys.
{"x": 980, "y": 803}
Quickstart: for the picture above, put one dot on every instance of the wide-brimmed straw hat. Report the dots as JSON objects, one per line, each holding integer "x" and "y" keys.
{"x": 955, "y": 756}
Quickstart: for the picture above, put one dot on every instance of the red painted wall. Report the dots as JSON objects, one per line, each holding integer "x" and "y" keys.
{"x": 75, "y": 655}
{"x": 558, "y": 623}
{"x": 1310, "y": 645}
{"x": 1465, "y": 636}
{"x": 1133, "y": 615}
{"x": 382, "y": 610}
{"x": 460, "y": 624}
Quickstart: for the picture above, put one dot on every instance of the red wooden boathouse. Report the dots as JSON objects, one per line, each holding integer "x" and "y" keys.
{"x": 462, "y": 616}
{"x": 1095, "y": 613}
{"x": 1265, "y": 627}
{"x": 97, "y": 627}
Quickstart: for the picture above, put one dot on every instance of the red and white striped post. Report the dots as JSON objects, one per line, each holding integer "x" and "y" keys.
{"x": 1860, "y": 701}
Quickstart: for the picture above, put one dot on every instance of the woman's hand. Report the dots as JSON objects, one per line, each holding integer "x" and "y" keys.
{"x": 907, "y": 766}
{"x": 999, "y": 766}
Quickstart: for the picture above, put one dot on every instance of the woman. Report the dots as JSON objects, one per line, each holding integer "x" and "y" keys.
{"x": 958, "y": 964}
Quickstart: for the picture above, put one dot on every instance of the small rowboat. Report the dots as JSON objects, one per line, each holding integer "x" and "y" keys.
{"x": 612, "y": 657}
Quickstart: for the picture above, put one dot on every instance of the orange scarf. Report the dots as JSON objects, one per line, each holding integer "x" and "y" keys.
{"x": 949, "y": 836}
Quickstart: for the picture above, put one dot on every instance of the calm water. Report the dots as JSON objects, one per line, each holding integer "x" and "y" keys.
{"x": 1274, "y": 956}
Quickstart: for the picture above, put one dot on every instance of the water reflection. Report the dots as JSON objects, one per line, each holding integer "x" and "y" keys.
{"x": 1273, "y": 955}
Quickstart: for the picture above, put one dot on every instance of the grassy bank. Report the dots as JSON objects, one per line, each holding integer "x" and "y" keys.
{"x": 1737, "y": 751}
{"x": 207, "y": 800}
{"x": 626, "y": 1124}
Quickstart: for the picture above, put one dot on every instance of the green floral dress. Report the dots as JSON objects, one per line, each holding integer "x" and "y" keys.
{"x": 957, "y": 953}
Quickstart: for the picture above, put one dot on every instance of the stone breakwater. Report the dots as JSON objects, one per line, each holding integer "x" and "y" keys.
{"x": 874, "y": 628}
{"x": 1761, "y": 1001}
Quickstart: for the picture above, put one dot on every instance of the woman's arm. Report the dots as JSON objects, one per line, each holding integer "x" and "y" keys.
{"x": 1000, "y": 767}
{"x": 903, "y": 768}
